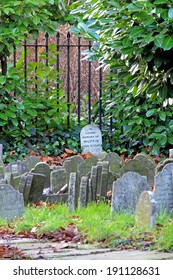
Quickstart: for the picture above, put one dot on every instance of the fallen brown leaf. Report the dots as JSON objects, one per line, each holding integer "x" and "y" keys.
{"x": 11, "y": 253}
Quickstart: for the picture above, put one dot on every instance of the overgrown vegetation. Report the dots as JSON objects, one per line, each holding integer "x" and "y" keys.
{"x": 96, "y": 225}
{"x": 134, "y": 39}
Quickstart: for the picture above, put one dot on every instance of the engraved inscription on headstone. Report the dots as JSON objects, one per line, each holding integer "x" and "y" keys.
{"x": 17, "y": 168}
{"x": 91, "y": 140}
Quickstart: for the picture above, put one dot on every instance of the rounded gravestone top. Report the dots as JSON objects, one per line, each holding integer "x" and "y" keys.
{"x": 91, "y": 140}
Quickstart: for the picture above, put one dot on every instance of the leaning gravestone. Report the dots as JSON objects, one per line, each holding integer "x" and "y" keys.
{"x": 43, "y": 168}
{"x": 145, "y": 213}
{"x": 57, "y": 179}
{"x": 37, "y": 186}
{"x": 11, "y": 202}
{"x": 164, "y": 188}
{"x": 126, "y": 192}
{"x": 91, "y": 140}
{"x": 25, "y": 186}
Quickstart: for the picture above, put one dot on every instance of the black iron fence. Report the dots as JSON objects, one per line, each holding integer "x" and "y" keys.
{"x": 81, "y": 80}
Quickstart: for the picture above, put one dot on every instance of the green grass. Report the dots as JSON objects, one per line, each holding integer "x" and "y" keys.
{"x": 97, "y": 225}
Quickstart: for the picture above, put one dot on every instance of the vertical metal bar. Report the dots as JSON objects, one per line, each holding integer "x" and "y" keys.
{"x": 68, "y": 78}
{"x": 36, "y": 60}
{"x": 79, "y": 76}
{"x": 47, "y": 55}
{"x": 100, "y": 97}
{"x": 14, "y": 63}
{"x": 14, "y": 57}
{"x": 89, "y": 88}
{"x": 25, "y": 64}
{"x": 111, "y": 121}
{"x": 57, "y": 66}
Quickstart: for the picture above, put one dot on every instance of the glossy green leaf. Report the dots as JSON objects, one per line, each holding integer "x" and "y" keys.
{"x": 162, "y": 115}
{"x": 167, "y": 43}
{"x": 149, "y": 113}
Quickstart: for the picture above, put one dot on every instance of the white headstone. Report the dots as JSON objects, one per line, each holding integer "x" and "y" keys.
{"x": 91, "y": 140}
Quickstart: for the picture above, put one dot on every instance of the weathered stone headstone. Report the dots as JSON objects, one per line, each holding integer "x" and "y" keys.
{"x": 149, "y": 164}
{"x": 84, "y": 191}
{"x": 72, "y": 192}
{"x": 126, "y": 192}
{"x": 43, "y": 168}
{"x": 91, "y": 140}
{"x": 57, "y": 179}
{"x": 115, "y": 162}
{"x": 104, "y": 178}
{"x": 31, "y": 161}
{"x": 27, "y": 187}
{"x": 99, "y": 174}
{"x": 71, "y": 165}
{"x": 85, "y": 167}
{"x": 38, "y": 184}
{"x": 11, "y": 202}
{"x": 161, "y": 165}
{"x": 146, "y": 209}
{"x": 94, "y": 182}
{"x": 164, "y": 189}
{"x": 134, "y": 165}
{"x": 17, "y": 168}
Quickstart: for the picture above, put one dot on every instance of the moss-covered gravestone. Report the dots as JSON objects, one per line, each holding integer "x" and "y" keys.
{"x": 146, "y": 208}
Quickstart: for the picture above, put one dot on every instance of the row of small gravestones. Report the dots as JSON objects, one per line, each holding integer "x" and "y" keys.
{"x": 28, "y": 180}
